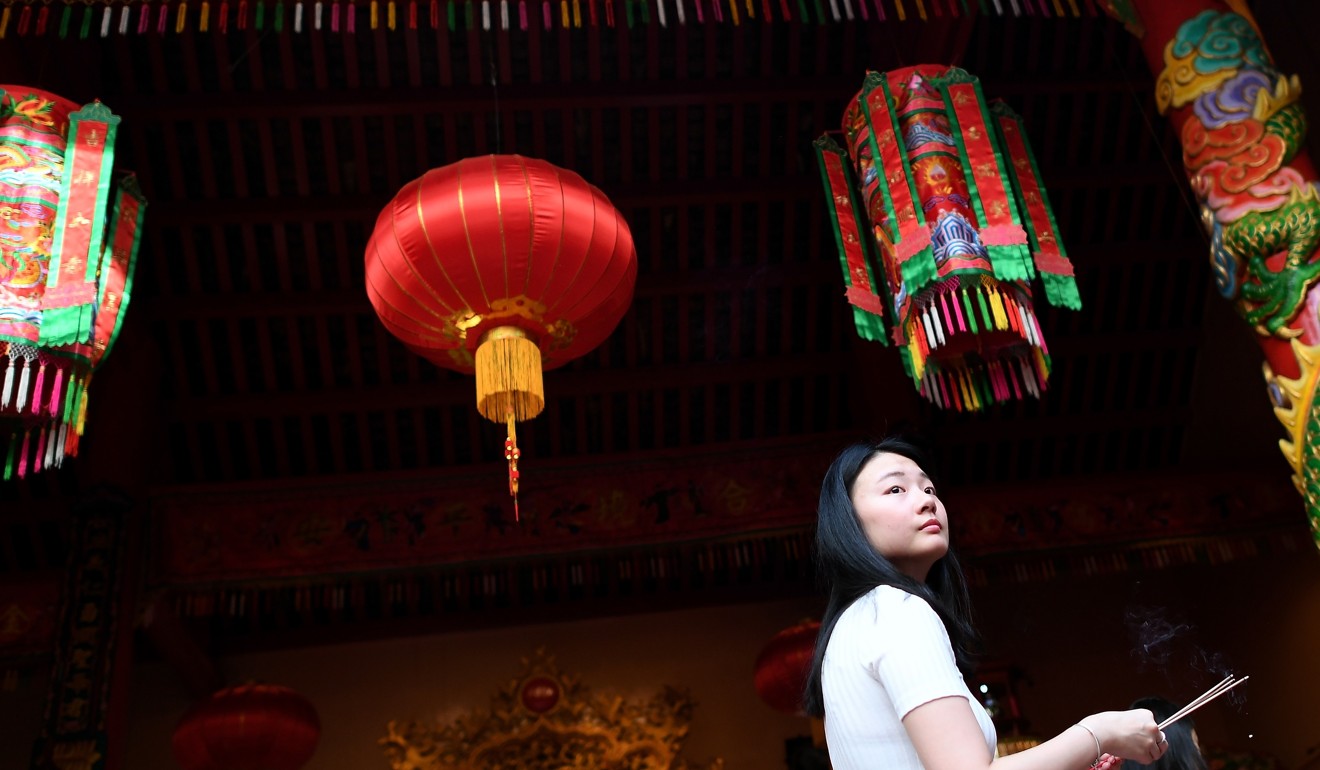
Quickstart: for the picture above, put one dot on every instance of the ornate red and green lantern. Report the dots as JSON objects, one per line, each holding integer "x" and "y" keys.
{"x": 942, "y": 223}
{"x": 503, "y": 267}
{"x": 71, "y": 232}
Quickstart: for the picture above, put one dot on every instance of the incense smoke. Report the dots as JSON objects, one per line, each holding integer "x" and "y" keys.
{"x": 1166, "y": 642}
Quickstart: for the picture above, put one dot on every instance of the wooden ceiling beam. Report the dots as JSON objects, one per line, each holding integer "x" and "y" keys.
{"x": 560, "y": 384}
{"x": 349, "y": 303}
{"x": 714, "y": 190}
{"x": 573, "y": 383}
{"x": 407, "y": 101}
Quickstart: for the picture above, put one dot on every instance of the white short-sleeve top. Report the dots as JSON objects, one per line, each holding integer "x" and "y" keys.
{"x": 888, "y": 654}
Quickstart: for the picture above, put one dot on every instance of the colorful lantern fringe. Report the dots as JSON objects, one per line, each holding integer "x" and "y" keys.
{"x": 66, "y": 268}
{"x": 136, "y": 17}
{"x": 942, "y": 221}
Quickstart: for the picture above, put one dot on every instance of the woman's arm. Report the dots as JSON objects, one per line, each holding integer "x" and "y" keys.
{"x": 947, "y": 737}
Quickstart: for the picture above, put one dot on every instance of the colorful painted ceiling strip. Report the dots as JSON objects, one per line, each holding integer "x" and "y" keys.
{"x": 1243, "y": 129}
{"x": 141, "y": 17}
{"x": 67, "y": 251}
{"x": 942, "y": 221}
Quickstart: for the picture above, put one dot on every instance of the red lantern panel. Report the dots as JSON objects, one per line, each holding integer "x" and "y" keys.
{"x": 781, "y": 669}
{"x": 495, "y": 241}
{"x": 250, "y": 727}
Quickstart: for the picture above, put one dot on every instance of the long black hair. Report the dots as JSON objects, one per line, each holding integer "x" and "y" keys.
{"x": 1182, "y": 753}
{"x": 851, "y": 567}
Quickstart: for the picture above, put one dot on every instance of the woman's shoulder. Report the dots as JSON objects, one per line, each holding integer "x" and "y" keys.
{"x": 889, "y": 599}
{"x": 883, "y": 617}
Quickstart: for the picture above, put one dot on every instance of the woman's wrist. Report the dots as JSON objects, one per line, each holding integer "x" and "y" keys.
{"x": 1099, "y": 752}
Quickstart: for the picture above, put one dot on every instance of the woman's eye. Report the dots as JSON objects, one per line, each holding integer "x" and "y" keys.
{"x": 895, "y": 490}
{"x": 930, "y": 490}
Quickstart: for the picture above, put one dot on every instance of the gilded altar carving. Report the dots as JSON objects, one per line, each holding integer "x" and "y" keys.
{"x": 545, "y": 719}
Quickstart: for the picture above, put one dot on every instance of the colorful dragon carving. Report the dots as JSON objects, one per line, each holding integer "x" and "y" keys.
{"x": 1242, "y": 129}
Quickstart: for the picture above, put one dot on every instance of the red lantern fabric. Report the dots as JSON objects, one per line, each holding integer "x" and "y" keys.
{"x": 249, "y": 727}
{"x": 502, "y": 266}
{"x": 500, "y": 240}
{"x": 781, "y": 669}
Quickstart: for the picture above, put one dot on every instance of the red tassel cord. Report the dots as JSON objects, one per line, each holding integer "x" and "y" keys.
{"x": 512, "y": 454}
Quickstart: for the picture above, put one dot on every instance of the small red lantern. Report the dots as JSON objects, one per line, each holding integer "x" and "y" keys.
{"x": 540, "y": 694}
{"x": 249, "y": 727}
{"x": 501, "y": 266}
{"x": 781, "y": 668}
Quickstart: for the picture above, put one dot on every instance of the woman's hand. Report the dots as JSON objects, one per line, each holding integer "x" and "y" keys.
{"x": 1108, "y": 762}
{"x": 1128, "y": 734}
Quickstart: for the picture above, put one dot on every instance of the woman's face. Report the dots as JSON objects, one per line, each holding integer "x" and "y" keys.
{"x": 898, "y": 510}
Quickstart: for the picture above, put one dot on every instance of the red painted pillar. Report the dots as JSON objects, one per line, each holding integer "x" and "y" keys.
{"x": 1242, "y": 129}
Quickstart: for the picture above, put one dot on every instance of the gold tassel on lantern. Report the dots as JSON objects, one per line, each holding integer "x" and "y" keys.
{"x": 509, "y": 387}
{"x": 508, "y": 364}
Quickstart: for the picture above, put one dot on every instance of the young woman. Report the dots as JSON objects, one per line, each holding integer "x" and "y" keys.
{"x": 896, "y": 639}
{"x": 1184, "y": 752}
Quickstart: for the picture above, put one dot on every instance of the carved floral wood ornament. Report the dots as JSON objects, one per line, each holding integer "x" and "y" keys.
{"x": 1243, "y": 132}
{"x": 545, "y": 719}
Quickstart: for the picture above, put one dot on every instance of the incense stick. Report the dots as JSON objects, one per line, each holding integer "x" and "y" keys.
{"x": 1224, "y": 686}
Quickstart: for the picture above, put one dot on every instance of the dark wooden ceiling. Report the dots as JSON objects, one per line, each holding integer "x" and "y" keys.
{"x": 251, "y": 355}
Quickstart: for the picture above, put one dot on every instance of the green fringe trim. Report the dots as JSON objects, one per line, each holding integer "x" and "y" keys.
{"x": 9, "y": 457}
{"x": 919, "y": 271}
{"x": 1012, "y": 263}
{"x": 1061, "y": 291}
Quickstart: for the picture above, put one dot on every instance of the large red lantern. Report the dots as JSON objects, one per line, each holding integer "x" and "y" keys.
{"x": 501, "y": 266}
{"x": 249, "y": 727}
{"x": 781, "y": 669}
